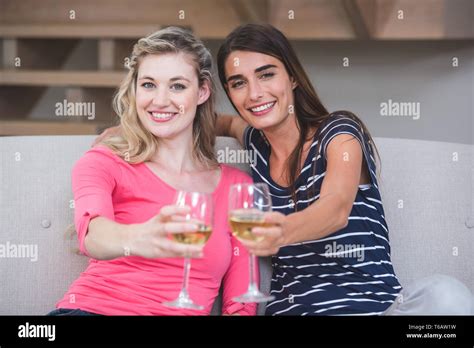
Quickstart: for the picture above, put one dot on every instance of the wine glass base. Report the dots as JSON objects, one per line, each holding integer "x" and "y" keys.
{"x": 183, "y": 303}
{"x": 253, "y": 297}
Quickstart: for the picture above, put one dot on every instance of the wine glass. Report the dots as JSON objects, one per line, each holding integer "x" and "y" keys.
{"x": 201, "y": 214}
{"x": 247, "y": 205}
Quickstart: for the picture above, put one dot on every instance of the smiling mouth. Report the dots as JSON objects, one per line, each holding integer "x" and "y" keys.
{"x": 262, "y": 109}
{"x": 162, "y": 116}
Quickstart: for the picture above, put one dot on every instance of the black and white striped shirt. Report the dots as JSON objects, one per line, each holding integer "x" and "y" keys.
{"x": 346, "y": 273}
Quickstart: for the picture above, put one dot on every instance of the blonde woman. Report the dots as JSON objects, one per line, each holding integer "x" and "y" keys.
{"x": 123, "y": 188}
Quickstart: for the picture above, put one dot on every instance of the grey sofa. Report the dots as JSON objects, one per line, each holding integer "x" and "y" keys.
{"x": 427, "y": 189}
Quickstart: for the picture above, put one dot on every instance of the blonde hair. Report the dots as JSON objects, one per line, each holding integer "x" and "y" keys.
{"x": 137, "y": 144}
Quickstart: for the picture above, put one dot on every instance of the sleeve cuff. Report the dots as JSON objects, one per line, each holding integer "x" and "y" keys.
{"x": 240, "y": 308}
{"x": 82, "y": 230}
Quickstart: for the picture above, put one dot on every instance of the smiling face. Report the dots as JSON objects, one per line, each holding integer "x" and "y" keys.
{"x": 260, "y": 88}
{"x": 168, "y": 93}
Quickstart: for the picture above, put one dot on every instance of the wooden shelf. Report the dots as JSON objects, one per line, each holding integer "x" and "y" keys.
{"x": 214, "y": 19}
{"x": 52, "y": 78}
{"x": 77, "y": 31}
{"x": 28, "y": 127}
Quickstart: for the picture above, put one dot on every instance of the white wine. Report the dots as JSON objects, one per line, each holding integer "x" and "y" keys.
{"x": 199, "y": 237}
{"x": 242, "y": 223}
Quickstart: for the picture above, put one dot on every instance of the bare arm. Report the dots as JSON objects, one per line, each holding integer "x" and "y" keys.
{"x": 338, "y": 192}
{"x": 329, "y": 213}
{"x": 107, "y": 239}
{"x": 231, "y": 126}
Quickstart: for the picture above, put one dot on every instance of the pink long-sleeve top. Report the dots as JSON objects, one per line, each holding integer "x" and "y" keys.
{"x": 106, "y": 185}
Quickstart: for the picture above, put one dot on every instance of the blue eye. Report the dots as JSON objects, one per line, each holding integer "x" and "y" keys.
{"x": 148, "y": 85}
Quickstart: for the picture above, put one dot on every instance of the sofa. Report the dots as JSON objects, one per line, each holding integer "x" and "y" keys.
{"x": 427, "y": 189}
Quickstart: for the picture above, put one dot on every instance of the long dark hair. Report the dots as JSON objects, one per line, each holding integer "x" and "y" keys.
{"x": 309, "y": 110}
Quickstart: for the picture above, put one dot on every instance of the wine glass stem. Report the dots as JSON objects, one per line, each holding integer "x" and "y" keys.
{"x": 187, "y": 267}
{"x": 252, "y": 284}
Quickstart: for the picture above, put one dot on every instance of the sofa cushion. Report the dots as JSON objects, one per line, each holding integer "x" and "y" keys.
{"x": 427, "y": 193}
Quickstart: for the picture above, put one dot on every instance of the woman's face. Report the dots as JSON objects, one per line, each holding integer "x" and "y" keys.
{"x": 168, "y": 93}
{"x": 260, "y": 88}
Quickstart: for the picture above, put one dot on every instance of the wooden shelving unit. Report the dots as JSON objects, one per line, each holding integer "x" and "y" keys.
{"x": 38, "y": 38}
{"x": 106, "y": 79}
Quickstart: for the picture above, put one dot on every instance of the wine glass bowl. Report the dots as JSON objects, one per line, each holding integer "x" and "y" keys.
{"x": 248, "y": 204}
{"x": 201, "y": 214}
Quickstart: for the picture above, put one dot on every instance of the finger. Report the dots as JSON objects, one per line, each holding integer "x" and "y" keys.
{"x": 274, "y": 217}
{"x": 248, "y": 244}
{"x": 265, "y": 247}
{"x": 179, "y": 227}
{"x": 179, "y": 250}
{"x": 168, "y": 210}
{"x": 267, "y": 232}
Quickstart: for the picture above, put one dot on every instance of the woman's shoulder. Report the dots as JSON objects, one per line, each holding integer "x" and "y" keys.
{"x": 340, "y": 118}
{"x": 100, "y": 156}
{"x": 341, "y": 122}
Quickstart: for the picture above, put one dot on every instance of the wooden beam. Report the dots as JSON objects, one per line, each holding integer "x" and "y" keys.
{"x": 82, "y": 31}
{"x": 312, "y": 20}
{"x": 406, "y": 19}
{"x": 60, "y": 78}
{"x": 252, "y": 11}
{"x": 361, "y": 14}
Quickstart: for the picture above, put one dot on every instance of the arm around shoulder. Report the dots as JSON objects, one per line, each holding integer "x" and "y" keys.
{"x": 231, "y": 126}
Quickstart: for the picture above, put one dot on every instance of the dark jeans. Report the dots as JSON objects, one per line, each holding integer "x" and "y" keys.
{"x": 66, "y": 311}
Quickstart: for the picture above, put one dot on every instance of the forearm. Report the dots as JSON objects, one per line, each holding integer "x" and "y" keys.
{"x": 322, "y": 218}
{"x": 223, "y": 124}
{"x": 106, "y": 239}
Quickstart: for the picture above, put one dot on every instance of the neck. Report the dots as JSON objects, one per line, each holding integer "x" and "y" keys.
{"x": 283, "y": 138}
{"x": 176, "y": 154}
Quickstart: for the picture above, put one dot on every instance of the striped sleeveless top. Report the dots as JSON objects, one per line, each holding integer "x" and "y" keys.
{"x": 346, "y": 273}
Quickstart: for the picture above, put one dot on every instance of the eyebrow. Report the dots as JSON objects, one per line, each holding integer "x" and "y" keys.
{"x": 259, "y": 69}
{"x": 176, "y": 78}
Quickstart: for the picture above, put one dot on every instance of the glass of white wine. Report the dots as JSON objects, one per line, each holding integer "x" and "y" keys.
{"x": 247, "y": 205}
{"x": 201, "y": 214}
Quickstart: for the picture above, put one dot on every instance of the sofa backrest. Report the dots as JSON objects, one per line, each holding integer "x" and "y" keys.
{"x": 426, "y": 188}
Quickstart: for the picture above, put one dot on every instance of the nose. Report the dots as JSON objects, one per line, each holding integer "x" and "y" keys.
{"x": 161, "y": 97}
{"x": 255, "y": 90}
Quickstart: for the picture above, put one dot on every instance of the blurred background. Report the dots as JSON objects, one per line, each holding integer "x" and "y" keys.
{"x": 358, "y": 53}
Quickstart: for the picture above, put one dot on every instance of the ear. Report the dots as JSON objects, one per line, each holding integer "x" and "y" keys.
{"x": 294, "y": 84}
{"x": 204, "y": 93}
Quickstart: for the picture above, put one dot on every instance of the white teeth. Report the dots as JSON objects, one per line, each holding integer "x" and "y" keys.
{"x": 162, "y": 116}
{"x": 262, "y": 107}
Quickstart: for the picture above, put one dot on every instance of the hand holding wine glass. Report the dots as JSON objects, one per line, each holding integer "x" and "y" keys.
{"x": 201, "y": 214}
{"x": 248, "y": 204}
